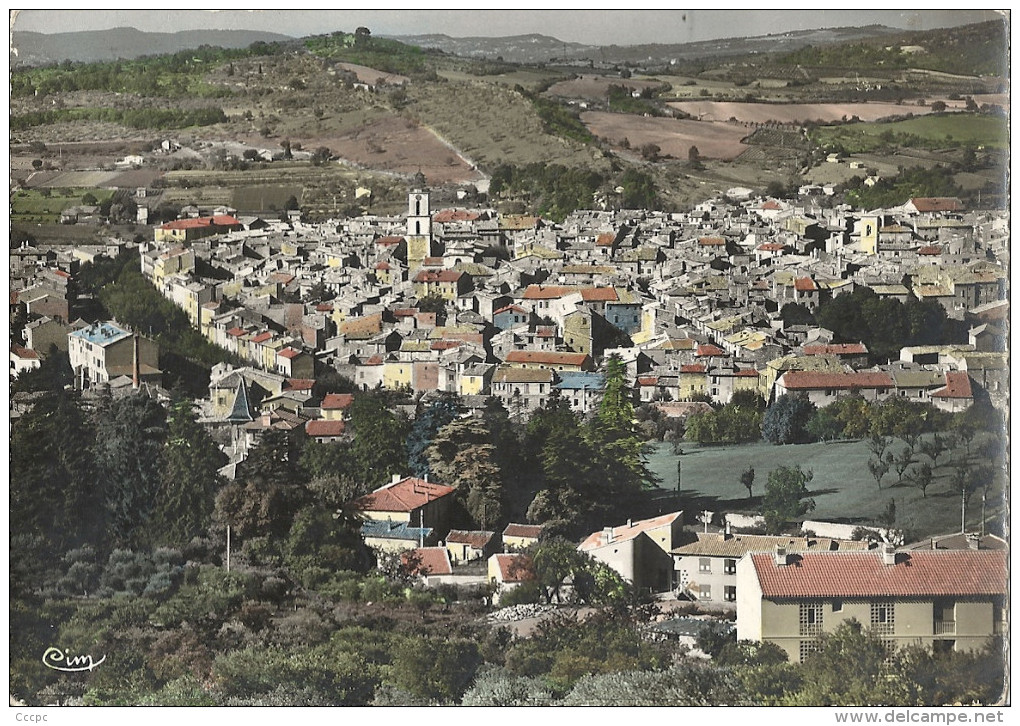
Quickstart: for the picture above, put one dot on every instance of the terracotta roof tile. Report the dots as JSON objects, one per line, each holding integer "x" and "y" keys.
{"x": 320, "y": 427}
{"x": 547, "y": 292}
{"x": 627, "y": 531}
{"x": 709, "y": 350}
{"x": 427, "y": 561}
{"x": 515, "y": 567}
{"x": 477, "y": 538}
{"x": 937, "y": 204}
{"x": 958, "y": 573}
{"x": 599, "y": 294}
{"x": 522, "y": 530}
{"x": 957, "y": 386}
{"x": 337, "y": 401}
{"x": 405, "y": 495}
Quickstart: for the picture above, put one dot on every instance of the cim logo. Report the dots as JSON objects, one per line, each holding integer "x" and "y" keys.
{"x": 62, "y": 660}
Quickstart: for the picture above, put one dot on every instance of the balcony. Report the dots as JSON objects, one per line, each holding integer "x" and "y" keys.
{"x": 944, "y": 627}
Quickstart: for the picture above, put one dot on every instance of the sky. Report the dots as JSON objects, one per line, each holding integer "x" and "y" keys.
{"x": 596, "y": 27}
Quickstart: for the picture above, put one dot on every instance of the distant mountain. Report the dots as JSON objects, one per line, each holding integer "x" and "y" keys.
{"x": 34, "y": 49}
{"x": 531, "y": 48}
{"x": 545, "y": 49}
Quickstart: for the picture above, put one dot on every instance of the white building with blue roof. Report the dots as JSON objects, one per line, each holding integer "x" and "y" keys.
{"x": 104, "y": 351}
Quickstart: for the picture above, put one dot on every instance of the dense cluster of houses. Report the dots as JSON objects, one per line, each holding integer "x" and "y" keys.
{"x": 484, "y": 304}
{"x": 946, "y": 593}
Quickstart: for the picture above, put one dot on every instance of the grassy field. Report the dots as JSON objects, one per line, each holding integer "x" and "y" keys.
{"x": 927, "y": 132}
{"x": 34, "y": 207}
{"x": 842, "y": 488}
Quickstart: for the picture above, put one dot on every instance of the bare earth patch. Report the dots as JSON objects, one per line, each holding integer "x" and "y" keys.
{"x": 372, "y": 76}
{"x": 398, "y": 145}
{"x": 789, "y": 113}
{"x": 673, "y": 137}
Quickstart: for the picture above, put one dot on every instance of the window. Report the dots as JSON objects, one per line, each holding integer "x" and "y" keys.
{"x": 810, "y": 618}
{"x": 837, "y": 606}
{"x": 730, "y": 567}
{"x": 705, "y": 565}
{"x": 883, "y": 617}
{"x": 705, "y": 592}
{"x": 730, "y": 593}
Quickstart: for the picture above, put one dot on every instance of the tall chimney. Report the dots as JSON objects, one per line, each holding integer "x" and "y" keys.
{"x": 888, "y": 554}
{"x": 135, "y": 365}
{"x": 780, "y": 556}
{"x": 607, "y": 533}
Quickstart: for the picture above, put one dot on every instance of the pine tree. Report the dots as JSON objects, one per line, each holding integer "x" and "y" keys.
{"x": 190, "y": 477}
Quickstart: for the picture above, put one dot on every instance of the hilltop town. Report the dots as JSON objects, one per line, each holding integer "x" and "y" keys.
{"x": 453, "y": 451}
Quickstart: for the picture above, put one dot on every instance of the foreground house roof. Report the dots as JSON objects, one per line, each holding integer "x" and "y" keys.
{"x": 626, "y": 532}
{"x": 427, "y": 561}
{"x": 405, "y": 495}
{"x": 958, "y": 573}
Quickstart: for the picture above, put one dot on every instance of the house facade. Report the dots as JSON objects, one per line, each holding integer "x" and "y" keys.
{"x": 639, "y": 551}
{"x": 942, "y": 600}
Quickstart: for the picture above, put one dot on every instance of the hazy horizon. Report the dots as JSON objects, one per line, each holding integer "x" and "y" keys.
{"x": 595, "y": 27}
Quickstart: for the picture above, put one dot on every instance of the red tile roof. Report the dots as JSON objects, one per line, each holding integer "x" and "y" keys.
{"x": 627, "y": 531}
{"x": 957, "y": 573}
{"x": 709, "y": 350}
{"x": 24, "y": 353}
{"x": 262, "y": 337}
{"x": 236, "y": 332}
{"x": 748, "y": 372}
{"x": 299, "y": 384}
{"x": 289, "y": 353}
{"x": 599, "y": 294}
{"x": 605, "y": 239}
{"x": 455, "y": 215}
{"x": 383, "y": 266}
{"x": 515, "y": 567}
{"x": 693, "y": 368}
{"x": 957, "y": 386}
{"x": 323, "y": 428}
{"x": 805, "y": 284}
{"x": 522, "y": 530}
{"x": 445, "y": 344}
{"x": 647, "y": 380}
{"x": 771, "y": 247}
{"x": 510, "y": 308}
{"x": 930, "y": 250}
{"x": 391, "y": 240}
{"x": 937, "y": 204}
{"x": 337, "y": 401}
{"x": 427, "y": 561}
{"x": 546, "y": 358}
{"x": 809, "y": 380}
{"x": 836, "y": 349}
{"x": 477, "y": 539}
{"x": 712, "y": 241}
{"x": 405, "y": 495}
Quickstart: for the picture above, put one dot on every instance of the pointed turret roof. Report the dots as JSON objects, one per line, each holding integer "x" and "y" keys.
{"x": 241, "y": 412}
